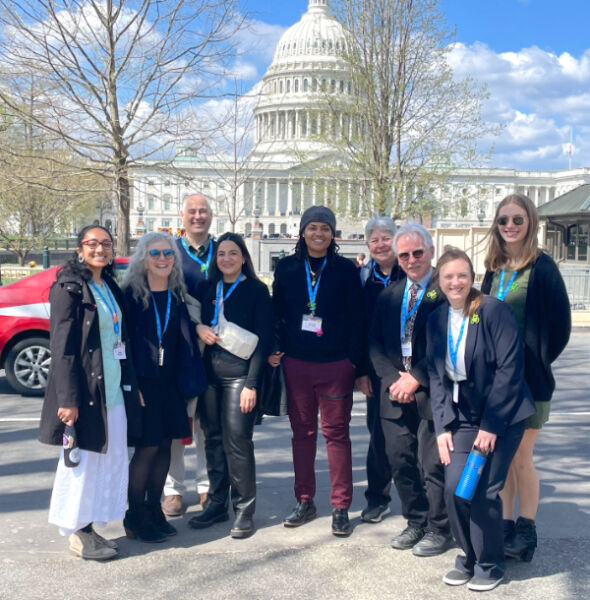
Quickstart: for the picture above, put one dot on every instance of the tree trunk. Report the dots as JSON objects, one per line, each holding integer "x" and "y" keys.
{"x": 123, "y": 206}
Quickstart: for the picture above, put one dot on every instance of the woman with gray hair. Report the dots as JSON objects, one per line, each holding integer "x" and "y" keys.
{"x": 169, "y": 372}
{"x": 378, "y": 274}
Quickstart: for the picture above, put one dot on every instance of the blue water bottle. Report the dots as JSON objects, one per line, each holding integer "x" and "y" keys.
{"x": 472, "y": 471}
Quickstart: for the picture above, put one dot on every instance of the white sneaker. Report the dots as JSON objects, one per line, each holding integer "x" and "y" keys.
{"x": 479, "y": 584}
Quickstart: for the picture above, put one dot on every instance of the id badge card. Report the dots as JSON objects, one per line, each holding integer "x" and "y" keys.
{"x": 312, "y": 323}
{"x": 407, "y": 348}
{"x": 119, "y": 351}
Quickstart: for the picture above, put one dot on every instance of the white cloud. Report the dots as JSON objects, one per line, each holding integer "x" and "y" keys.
{"x": 538, "y": 96}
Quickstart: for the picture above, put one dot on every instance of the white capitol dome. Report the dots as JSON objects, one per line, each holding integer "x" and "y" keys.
{"x": 307, "y": 63}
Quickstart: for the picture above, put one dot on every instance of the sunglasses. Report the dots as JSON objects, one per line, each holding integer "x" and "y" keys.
{"x": 94, "y": 244}
{"x": 415, "y": 253}
{"x": 169, "y": 253}
{"x": 504, "y": 220}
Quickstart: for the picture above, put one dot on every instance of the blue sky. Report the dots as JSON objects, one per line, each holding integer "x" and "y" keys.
{"x": 533, "y": 55}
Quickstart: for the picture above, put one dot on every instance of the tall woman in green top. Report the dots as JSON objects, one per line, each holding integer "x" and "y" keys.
{"x": 528, "y": 280}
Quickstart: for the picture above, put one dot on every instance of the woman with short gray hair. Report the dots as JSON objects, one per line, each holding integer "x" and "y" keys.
{"x": 378, "y": 274}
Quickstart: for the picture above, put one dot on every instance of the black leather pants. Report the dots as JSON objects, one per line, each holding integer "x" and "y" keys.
{"x": 228, "y": 442}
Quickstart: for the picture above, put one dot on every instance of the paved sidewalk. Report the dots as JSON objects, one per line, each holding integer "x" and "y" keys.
{"x": 308, "y": 562}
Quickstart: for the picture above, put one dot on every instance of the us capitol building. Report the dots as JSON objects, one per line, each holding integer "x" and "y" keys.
{"x": 281, "y": 177}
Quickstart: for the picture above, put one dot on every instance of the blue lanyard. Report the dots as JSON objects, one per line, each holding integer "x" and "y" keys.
{"x": 383, "y": 280}
{"x": 312, "y": 290}
{"x": 227, "y": 295}
{"x": 502, "y": 291}
{"x": 158, "y": 322}
{"x": 405, "y": 315}
{"x": 204, "y": 265}
{"x": 454, "y": 348}
{"x": 112, "y": 305}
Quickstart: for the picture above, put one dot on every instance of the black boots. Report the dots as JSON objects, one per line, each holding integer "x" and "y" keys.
{"x": 509, "y": 531}
{"x": 523, "y": 544}
{"x": 138, "y": 524}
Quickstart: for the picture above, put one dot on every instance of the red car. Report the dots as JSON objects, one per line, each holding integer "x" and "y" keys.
{"x": 24, "y": 330}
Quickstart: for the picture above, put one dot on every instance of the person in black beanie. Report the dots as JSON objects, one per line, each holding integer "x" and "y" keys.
{"x": 317, "y": 296}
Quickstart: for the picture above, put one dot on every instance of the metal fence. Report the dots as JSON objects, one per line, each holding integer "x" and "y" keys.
{"x": 577, "y": 283}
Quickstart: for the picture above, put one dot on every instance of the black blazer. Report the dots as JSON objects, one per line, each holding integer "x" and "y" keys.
{"x": 385, "y": 348}
{"x": 547, "y": 324}
{"x": 495, "y": 389}
{"x": 76, "y": 376}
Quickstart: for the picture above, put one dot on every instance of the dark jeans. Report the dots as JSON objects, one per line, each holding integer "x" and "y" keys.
{"x": 418, "y": 474}
{"x": 327, "y": 387}
{"x": 228, "y": 438}
{"x": 477, "y": 525}
{"x": 378, "y": 468}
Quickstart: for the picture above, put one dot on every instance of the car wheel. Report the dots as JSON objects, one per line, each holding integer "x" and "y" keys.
{"x": 27, "y": 365}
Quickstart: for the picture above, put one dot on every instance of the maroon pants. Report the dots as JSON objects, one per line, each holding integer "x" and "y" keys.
{"x": 327, "y": 386}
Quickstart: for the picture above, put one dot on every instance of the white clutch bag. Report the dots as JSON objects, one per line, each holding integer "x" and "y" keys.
{"x": 235, "y": 339}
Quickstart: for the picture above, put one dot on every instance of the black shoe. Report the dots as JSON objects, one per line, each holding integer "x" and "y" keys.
{"x": 375, "y": 514}
{"x": 159, "y": 520}
{"x": 509, "y": 530}
{"x": 408, "y": 538}
{"x": 524, "y": 542}
{"x": 340, "y": 523}
{"x": 243, "y": 526}
{"x": 214, "y": 513}
{"x": 432, "y": 544}
{"x": 302, "y": 513}
{"x": 138, "y": 525}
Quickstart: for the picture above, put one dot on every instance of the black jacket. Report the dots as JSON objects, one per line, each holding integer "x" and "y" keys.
{"x": 494, "y": 390}
{"x": 183, "y": 363}
{"x": 547, "y": 324}
{"x": 339, "y": 304}
{"x": 76, "y": 375}
{"x": 385, "y": 346}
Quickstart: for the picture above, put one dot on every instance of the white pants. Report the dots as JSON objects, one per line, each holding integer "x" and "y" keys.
{"x": 175, "y": 481}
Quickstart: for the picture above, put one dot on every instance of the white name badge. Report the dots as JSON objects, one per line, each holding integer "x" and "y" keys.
{"x": 406, "y": 348}
{"x": 312, "y": 323}
{"x": 119, "y": 351}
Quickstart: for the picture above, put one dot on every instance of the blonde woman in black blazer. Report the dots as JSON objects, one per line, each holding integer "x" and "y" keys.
{"x": 479, "y": 398}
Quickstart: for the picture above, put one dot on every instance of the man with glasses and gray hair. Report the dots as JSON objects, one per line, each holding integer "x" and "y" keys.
{"x": 397, "y": 344}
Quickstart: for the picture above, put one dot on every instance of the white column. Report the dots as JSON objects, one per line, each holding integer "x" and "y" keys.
{"x": 278, "y": 197}
{"x": 313, "y": 193}
{"x": 290, "y": 197}
{"x": 265, "y": 205}
{"x": 302, "y": 199}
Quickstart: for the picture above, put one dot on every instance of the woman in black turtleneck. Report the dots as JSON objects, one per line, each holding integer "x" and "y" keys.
{"x": 317, "y": 298}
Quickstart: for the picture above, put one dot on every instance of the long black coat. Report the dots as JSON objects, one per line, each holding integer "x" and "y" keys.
{"x": 495, "y": 390}
{"x": 547, "y": 327}
{"x": 76, "y": 376}
{"x": 385, "y": 347}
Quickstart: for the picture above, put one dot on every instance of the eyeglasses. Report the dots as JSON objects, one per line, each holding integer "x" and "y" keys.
{"x": 94, "y": 244}
{"x": 415, "y": 253}
{"x": 504, "y": 220}
{"x": 169, "y": 253}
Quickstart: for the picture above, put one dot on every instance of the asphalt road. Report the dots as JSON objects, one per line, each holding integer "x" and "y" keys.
{"x": 308, "y": 562}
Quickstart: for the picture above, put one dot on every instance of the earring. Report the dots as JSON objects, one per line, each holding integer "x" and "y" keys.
{"x": 80, "y": 258}
{"x": 111, "y": 261}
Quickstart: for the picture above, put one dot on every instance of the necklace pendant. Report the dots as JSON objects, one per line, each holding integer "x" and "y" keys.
{"x": 203, "y": 268}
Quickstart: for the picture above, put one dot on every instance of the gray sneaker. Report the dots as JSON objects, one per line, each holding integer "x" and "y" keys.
{"x": 375, "y": 514}
{"x": 85, "y": 545}
{"x": 479, "y": 584}
{"x": 456, "y": 577}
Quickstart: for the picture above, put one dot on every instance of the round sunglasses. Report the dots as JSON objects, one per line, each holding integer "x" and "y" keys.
{"x": 504, "y": 220}
{"x": 168, "y": 253}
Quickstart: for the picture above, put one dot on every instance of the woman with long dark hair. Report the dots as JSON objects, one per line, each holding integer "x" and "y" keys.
{"x": 528, "y": 280}
{"x": 318, "y": 307}
{"x": 91, "y": 397}
{"x": 234, "y": 293}
{"x": 479, "y": 399}
{"x": 170, "y": 373}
